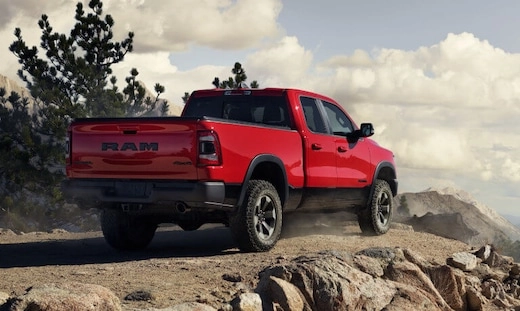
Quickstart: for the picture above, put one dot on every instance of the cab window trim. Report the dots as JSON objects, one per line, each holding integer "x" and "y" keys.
{"x": 320, "y": 113}
{"x": 329, "y": 122}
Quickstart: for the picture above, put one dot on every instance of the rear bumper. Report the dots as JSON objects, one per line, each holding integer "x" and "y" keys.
{"x": 95, "y": 192}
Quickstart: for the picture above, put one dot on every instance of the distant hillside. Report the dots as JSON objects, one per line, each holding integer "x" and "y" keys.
{"x": 175, "y": 110}
{"x": 10, "y": 86}
{"x": 456, "y": 206}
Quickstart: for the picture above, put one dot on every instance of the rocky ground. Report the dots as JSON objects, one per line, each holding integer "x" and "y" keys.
{"x": 203, "y": 266}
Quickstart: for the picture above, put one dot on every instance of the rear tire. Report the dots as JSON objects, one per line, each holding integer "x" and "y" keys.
{"x": 257, "y": 225}
{"x": 375, "y": 219}
{"x": 126, "y": 232}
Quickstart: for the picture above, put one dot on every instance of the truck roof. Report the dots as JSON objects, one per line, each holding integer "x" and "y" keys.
{"x": 257, "y": 91}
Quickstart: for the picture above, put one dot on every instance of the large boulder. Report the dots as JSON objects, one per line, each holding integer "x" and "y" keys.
{"x": 463, "y": 260}
{"x": 66, "y": 296}
{"x": 247, "y": 302}
{"x": 391, "y": 279}
{"x": 448, "y": 225}
{"x": 331, "y": 281}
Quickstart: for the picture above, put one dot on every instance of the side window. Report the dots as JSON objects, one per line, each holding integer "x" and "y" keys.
{"x": 275, "y": 112}
{"x": 339, "y": 122}
{"x": 275, "y": 115}
{"x": 312, "y": 114}
{"x": 271, "y": 110}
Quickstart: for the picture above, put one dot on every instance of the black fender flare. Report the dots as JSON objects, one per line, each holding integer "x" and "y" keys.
{"x": 389, "y": 177}
{"x": 281, "y": 186}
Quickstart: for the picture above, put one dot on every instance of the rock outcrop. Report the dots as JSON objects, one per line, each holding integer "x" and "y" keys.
{"x": 66, "y": 296}
{"x": 454, "y": 214}
{"x": 372, "y": 279}
{"x": 392, "y": 279}
{"x": 448, "y": 225}
{"x": 12, "y": 86}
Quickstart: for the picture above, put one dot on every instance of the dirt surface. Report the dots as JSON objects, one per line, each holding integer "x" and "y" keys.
{"x": 178, "y": 266}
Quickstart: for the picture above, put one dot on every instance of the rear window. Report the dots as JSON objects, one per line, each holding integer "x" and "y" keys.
{"x": 270, "y": 110}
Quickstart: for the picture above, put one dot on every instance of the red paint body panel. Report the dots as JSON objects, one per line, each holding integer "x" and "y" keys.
{"x": 241, "y": 143}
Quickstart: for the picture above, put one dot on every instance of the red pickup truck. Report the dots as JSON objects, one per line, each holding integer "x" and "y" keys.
{"x": 241, "y": 157}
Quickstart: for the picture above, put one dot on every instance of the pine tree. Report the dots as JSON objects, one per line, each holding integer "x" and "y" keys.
{"x": 234, "y": 82}
{"x": 18, "y": 143}
{"x": 23, "y": 158}
{"x": 70, "y": 76}
{"x": 185, "y": 97}
{"x": 254, "y": 84}
{"x": 75, "y": 77}
{"x": 240, "y": 73}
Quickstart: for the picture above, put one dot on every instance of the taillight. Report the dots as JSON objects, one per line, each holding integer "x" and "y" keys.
{"x": 209, "y": 149}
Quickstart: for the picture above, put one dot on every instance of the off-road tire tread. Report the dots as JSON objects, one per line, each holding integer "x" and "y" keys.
{"x": 125, "y": 232}
{"x": 367, "y": 218}
{"x": 242, "y": 223}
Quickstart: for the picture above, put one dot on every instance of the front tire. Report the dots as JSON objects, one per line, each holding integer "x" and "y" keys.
{"x": 126, "y": 232}
{"x": 375, "y": 219}
{"x": 257, "y": 225}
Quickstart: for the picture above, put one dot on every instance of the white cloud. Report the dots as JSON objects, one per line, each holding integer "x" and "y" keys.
{"x": 25, "y": 15}
{"x": 359, "y": 58}
{"x": 176, "y": 25}
{"x": 511, "y": 169}
{"x": 158, "y": 25}
{"x": 284, "y": 64}
{"x": 30, "y": 10}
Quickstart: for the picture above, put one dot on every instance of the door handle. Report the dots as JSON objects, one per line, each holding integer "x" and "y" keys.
{"x": 316, "y": 147}
{"x": 342, "y": 149}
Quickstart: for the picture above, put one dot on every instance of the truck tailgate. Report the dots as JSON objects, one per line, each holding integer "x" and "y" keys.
{"x": 144, "y": 148}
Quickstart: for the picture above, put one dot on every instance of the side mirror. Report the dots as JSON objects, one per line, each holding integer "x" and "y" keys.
{"x": 366, "y": 129}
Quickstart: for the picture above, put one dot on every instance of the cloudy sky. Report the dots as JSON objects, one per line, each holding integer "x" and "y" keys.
{"x": 440, "y": 80}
